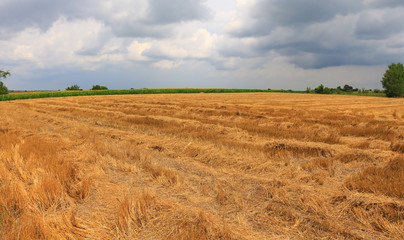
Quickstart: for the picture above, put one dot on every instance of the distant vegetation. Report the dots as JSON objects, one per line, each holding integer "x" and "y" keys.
{"x": 73, "y": 88}
{"x": 347, "y": 89}
{"x": 98, "y": 87}
{"x": 3, "y": 88}
{"x": 77, "y": 88}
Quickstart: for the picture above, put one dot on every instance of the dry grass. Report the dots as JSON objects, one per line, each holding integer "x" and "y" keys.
{"x": 388, "y": 180}
{"x": 202, "y": 166}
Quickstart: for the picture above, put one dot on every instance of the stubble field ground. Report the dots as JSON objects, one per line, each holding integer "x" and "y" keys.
{"x": 202, "y": 166}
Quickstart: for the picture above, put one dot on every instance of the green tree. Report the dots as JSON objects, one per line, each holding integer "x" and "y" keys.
{"x": 393, "y": 80}
{"x": 98, "y": 87}
{"x": 3, "y": 88}
{"x": 347, "y": 88}
{"x": 319, "y": 89}
{"x": 74, "y": 87}
{"x": 327, "y": 90}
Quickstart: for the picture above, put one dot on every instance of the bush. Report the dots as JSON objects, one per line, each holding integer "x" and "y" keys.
{"x": 98, "y": 87}
{"x": 324, "y": 90}
{"x": 327, "y": 90}
{"x": 73, "y": 88}
{"x": 364, "y": 91}
{"x": 393, "y": 80}
{"x": 377, "y": 90}
{"x": 319, "y": 89}
{"x": 348, "y": 88}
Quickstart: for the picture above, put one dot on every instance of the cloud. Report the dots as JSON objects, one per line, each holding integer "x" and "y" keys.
{"x": 380, "y": 24}
{"x": 318, "y": 34}
{"x": 383, "y": 3}
{"x": 61, "y": 45}
{"x": 88, "y": 34}
{"x": 136, "y": 49}
{"x": 197, "y": 46}
{"x": 261, "y": 17}
{"x": 126, "y": 18}
{"x": 19, "y": 15}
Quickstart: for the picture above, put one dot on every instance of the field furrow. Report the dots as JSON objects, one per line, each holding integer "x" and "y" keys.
{"x": 202, "y": 166}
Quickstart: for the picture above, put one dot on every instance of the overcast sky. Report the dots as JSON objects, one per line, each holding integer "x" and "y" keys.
{"x": 277, "y": 44}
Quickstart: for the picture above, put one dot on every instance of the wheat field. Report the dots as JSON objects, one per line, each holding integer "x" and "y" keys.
{"x": 202, "y": 166}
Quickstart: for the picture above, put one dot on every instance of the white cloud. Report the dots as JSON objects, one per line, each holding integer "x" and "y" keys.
{"x": 58, "y": 46}
{"x": 136, "y": 49}
{"x": 200, "y": 45}
{"x": 23, "y": 52}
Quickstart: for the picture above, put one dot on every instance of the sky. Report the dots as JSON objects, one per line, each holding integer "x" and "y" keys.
{"x": 276, "y": 44}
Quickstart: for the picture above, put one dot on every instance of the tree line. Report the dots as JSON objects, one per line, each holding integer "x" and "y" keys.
{"x": 77, "y": 88}
{"x": 321, "y": 89}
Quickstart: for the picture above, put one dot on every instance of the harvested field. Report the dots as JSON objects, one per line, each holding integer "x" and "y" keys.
{"x": 202, "y": 166}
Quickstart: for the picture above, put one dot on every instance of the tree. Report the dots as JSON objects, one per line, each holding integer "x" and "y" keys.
{"x": 393, "y": 80}
{"x": 347, "y": 88}
{"x": 74, "y": 87}
{"x": 3, "y": 88}
{"x": 98, "y": 87}
{"x": 319, "y": 89}
{"x": 327, "y": 90}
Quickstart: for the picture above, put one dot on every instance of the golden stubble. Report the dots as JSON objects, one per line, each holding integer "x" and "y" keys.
{"x": 202, "y": 166}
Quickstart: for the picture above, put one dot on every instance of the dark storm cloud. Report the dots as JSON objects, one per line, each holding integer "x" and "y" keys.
{"x": 318, "y": 34}
{"x": 322, "y": 59}
{"x": 380, "y": 24}
{"x": 266, "y": 15}
{"x": 16, "y": 15}
{"x": 298, "y": 13}
{"x": 159, "y": 19}
{"x": 385, "y": 3}
{"x": 137, "y": 18}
